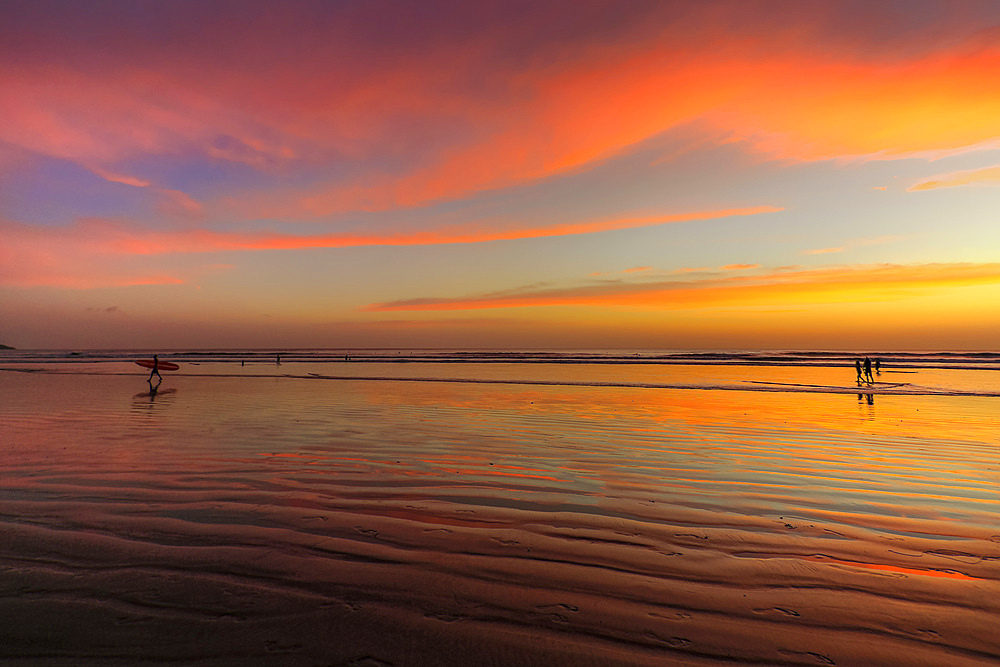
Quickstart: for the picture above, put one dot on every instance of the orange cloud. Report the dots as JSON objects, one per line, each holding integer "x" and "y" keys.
{"x": 637, "y": 269}
{"x": 739, "y": 267}
{"x": 862, "y": 283}
{"x": 829, "y": 107}
{"x": 986, "y": 176}
{"x": 824, "y": 251}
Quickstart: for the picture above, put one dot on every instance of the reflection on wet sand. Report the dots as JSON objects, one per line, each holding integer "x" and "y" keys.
{"x": 294, "y": 521}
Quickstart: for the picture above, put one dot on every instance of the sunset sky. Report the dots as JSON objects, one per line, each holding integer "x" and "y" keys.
{"x": 512, "y": 174}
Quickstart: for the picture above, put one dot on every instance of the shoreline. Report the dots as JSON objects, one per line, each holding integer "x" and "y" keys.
{"x": 895, "y": 389}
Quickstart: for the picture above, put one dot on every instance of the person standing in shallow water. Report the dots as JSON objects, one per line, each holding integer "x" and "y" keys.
{"x": 868, "y": 371}
{"x": 155, "y": 371}
{"x": 857, "y": 367}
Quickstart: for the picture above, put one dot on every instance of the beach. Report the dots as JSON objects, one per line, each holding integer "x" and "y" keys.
{"x": 467, "y": 512}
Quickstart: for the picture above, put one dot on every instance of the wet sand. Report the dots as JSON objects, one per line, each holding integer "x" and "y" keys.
{"x": 286, "y": 520}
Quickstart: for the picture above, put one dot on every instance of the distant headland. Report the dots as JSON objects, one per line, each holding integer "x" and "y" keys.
{"x": 7, "y": 347}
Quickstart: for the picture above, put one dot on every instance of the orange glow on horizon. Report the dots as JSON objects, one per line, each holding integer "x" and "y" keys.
{"x": 806, "y": 287}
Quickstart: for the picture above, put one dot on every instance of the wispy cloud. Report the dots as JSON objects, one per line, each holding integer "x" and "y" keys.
{"x": 77, "y": 255}
{"x": 855, "y": 243}
{"x": 115, "y": 237}
{"x": 856, "y": 283}
{"x": 986, "y": 176}
{"x": 124, "y": 179}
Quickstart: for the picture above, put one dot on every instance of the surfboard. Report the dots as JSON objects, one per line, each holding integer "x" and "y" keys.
{"x": 164, "y": 365}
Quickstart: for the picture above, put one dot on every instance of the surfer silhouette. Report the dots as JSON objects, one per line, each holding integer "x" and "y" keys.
{"x": 878, "y": 367}
{"x": 156, "y": 372}
{"x": 857, "y": 367}
{"x": 868, "y": 371}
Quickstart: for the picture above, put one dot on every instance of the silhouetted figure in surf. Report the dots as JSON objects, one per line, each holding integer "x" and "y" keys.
{"x": 156, "y": 372}
{"x": 878, "y": 367}
{"x": 277, "y": 359}
{"x": 868, "y": 371}
{"x": 857, "y": 367}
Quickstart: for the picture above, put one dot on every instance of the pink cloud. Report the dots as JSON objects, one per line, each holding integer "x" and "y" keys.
{"x": 432, "y": 119}
{"x": 116, "y": 238}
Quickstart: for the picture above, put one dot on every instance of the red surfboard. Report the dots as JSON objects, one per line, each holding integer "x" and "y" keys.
{"x": 163, "y": 365}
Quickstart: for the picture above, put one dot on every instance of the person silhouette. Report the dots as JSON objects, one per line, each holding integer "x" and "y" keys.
{"x": 878, "y": 367}
{"x": 155, "y": 371}
{"x": 857, "y": 367}
{"x": 868, "y": 371}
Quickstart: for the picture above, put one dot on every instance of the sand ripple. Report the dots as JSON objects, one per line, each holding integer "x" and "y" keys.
{"x": 286, "y": 521}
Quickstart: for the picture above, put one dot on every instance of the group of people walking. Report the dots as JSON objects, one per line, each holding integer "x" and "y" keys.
{"x": 864, "y": 370}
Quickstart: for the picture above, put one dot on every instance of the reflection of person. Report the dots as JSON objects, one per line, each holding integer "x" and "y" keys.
{"x": 857, "y": 367}
{"x": 155, "y": 371}
{"x": 868, "y": 371}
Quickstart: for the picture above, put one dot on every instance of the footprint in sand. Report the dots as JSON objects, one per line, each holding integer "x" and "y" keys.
{"x": 506, "y": 543}
{"x": 960, "y": 556}
{"x": 673, "y": 642}
{"x": 560, "y": 605}
{"x": 679, "y": 616}
{"x": 274, "y": 646}
{"x": 368, "y": 661}
{"x": 369, "y": 532}
{"x": 817, "y": 657}
{"x": 780, "y": 610}
{"x": 443, "y": 616}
